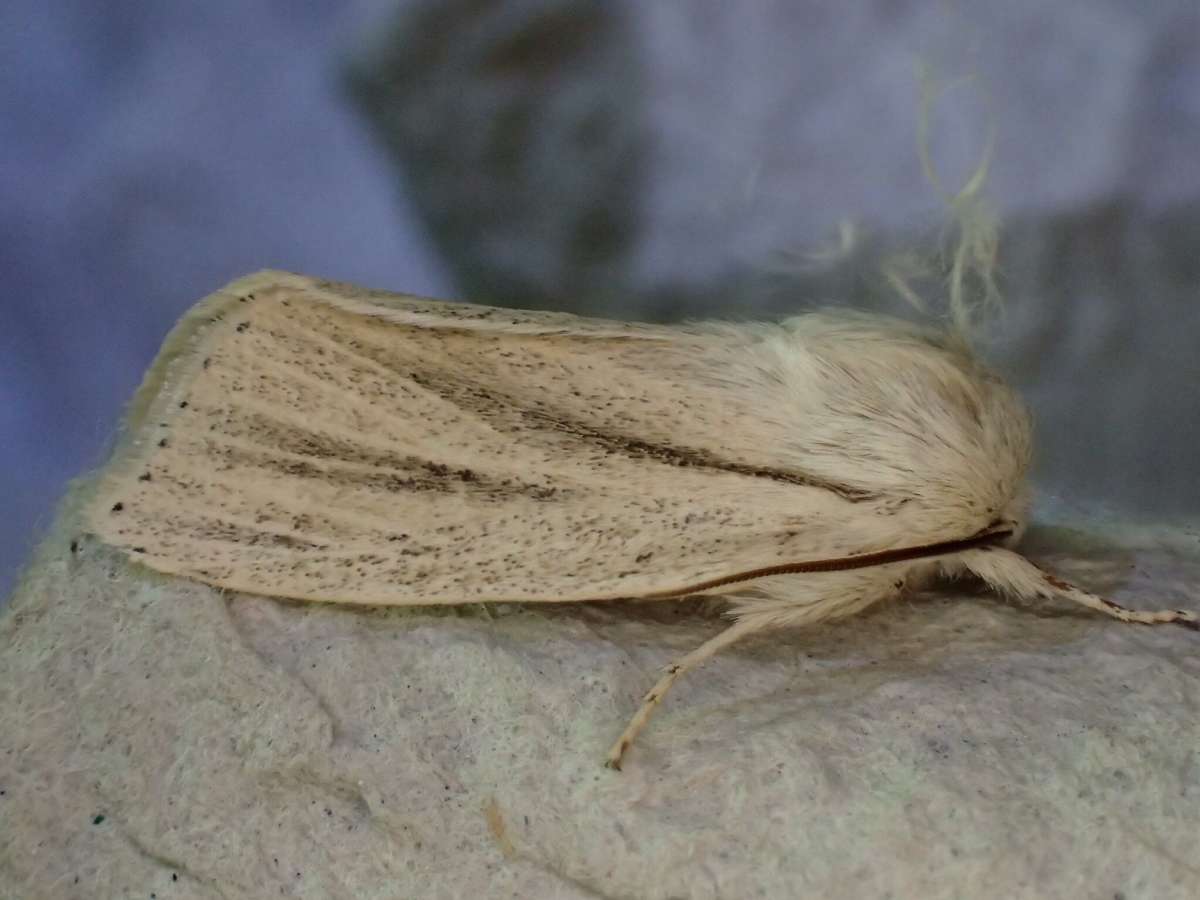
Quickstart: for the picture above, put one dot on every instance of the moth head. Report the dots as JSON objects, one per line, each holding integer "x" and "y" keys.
{"x": 1018, "y": 526}
{"x": 1015, "y": 517}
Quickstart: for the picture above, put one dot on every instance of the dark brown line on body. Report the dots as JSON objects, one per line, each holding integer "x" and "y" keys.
{"x": 840, "y": 563}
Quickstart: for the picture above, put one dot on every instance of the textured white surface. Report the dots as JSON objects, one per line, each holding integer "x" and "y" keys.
{"x": 949, "y": 746}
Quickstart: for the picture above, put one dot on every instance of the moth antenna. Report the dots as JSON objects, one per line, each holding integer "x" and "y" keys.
{"x": 737, "y": 631}
{"x": 1011, "y": 573}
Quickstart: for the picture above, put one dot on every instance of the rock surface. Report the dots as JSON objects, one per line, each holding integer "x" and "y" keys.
{"x": 161, "y": 738}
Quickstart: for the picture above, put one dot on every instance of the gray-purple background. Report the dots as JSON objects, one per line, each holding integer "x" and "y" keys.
{"x": 640, "y": 159}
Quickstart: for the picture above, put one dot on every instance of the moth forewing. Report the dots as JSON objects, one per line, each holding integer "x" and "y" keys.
{"x": 306, "y": 439}
{"x": 300, "y": 444}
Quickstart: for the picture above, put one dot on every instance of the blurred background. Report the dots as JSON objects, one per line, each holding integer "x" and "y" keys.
{"x": 648, "y": 160}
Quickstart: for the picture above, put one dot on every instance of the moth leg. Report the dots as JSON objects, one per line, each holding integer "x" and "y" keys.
{"x": 709, "y": 648}
{"x": 1010, "y": 572}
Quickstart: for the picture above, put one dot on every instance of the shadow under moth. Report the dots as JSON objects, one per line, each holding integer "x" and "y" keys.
{"x": 305, "y": 439}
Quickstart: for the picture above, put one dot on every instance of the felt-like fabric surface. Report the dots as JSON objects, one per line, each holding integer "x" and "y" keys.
{"x": 162, "y": 737}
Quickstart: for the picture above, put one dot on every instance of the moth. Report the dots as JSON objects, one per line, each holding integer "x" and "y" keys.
{"x": 307, "y": 439}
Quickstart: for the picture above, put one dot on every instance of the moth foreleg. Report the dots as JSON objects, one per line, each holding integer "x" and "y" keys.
{"x": 1010, "y": 572}
{"x": 743, "y": 627}
{"x": 777, "y": 602}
